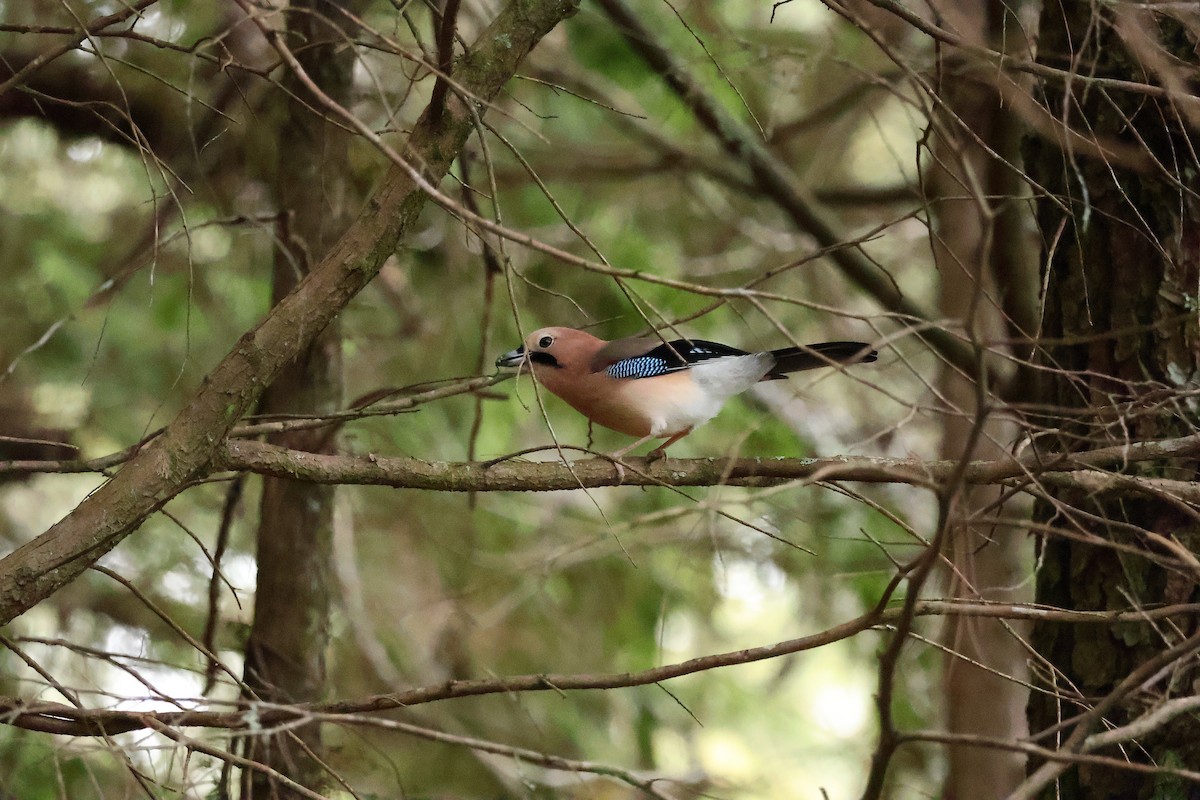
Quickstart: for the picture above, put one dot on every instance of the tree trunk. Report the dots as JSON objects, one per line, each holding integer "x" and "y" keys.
{"x": 974, "y": 239}
{"x": 285, "y": 654}
{"x": 1122, "y": 269}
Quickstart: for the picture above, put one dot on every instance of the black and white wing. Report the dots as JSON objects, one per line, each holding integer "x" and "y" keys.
{"x": 667, "y": 357}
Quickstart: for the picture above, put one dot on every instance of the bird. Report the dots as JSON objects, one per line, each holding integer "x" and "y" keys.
{"x": 656, "y": 389}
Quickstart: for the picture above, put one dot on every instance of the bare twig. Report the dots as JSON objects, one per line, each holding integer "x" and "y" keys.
{"x": 78, "y": 35}
{"x": 776, "y": 182}
{"x": 70, "y": 720}
{"x": 445, "y": 44}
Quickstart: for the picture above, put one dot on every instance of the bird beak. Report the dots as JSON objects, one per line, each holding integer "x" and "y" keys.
{"x": 513, "y": 358}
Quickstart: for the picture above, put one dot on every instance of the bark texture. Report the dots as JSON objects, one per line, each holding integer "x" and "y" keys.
{"x": 285, "y": 654}
{"x": 1121, "y": 298}
{"x": 973, "y": 244}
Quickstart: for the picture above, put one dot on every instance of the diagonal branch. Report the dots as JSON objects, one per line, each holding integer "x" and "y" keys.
{"x": 185, "y": 449}
{"x": 71, "y": 720}
{"x": 775, "y": 181}
{"x": 1077, "y": 742}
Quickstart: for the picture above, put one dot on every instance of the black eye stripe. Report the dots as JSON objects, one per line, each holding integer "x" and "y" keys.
{"x": 544, "y": 358}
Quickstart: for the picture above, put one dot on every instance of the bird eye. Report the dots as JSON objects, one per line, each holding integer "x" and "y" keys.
{"x": 545, "y": 341}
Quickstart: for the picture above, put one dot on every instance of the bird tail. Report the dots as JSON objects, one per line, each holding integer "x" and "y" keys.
{"x": 825, "y": 354}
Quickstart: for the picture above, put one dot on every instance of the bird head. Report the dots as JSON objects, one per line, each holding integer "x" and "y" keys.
{"x": 548, "y": 349}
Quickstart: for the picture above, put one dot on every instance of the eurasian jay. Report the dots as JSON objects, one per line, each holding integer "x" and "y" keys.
{"x": 643, "y": 386}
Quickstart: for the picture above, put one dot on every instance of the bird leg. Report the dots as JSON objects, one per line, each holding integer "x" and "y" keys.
{"x": 624, "y": 450}
{"x": 652, "y": 456}
{"x": 661, "y": 450}
{"x": 617, "y": 455}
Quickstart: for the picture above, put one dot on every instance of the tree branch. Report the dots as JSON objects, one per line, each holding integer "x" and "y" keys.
{"x": 499, "y": 476}
{"x": 69, "y": 720}
{"x": 1074, "y": 469}
{"x": 445, "y": 44}
{"x": 77, "y": 36}
{"x": 162, "y": 468}
{"x": 522, "y": 755}
{"x": 1077, "y": 742}
{"x": 776, "y": 182}
{"x": 1070, "y": 759}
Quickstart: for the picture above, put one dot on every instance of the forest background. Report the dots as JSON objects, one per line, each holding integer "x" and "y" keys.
{"x": 274, "y": 527}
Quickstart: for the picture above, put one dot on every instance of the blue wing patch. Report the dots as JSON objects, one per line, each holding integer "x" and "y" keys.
{"x": 670, "y": 357}
{"x": 639, "y": 367}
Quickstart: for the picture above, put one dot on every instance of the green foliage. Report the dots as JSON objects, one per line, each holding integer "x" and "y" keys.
{"x": 1171, "y": 787}
{"x": 44, "y": 769}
